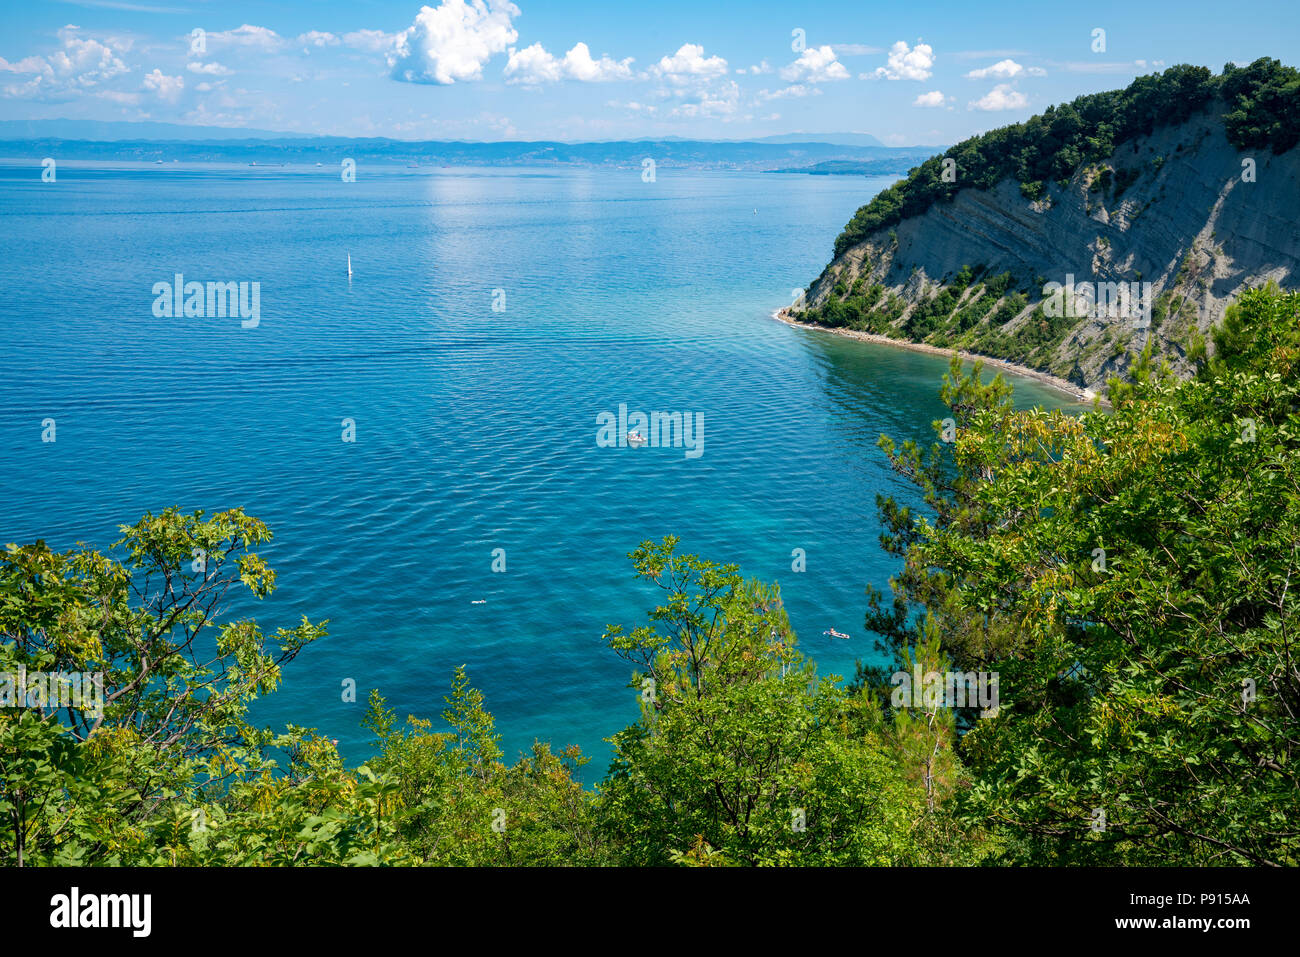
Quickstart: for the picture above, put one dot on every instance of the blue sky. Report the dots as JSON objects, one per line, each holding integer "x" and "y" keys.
{"x": 909, "y": 73}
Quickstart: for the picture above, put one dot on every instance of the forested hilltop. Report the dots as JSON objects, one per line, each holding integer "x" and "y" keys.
{"x": 1180, "y": 189}
{"x": 1127, "y": 579}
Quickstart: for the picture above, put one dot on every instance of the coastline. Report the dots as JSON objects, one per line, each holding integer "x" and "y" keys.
{"x": 1046, "y": 378}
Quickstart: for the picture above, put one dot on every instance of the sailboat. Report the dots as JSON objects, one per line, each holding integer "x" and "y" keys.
{"x": 349, "y": 265}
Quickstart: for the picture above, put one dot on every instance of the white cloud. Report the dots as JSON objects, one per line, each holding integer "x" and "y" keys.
{"x": 372, "y": 41}
{"x": 83, "y": 60}
{"x": 534, "y": 65}
{"x": 31, "y": 89}
{"x": 1001, "y": 97}
{"x": 30, "y": 64}
{"x": 932, "y": 99}
{"x": 756, "y": 69}
{"x": 166, "y": 87}
{"x": 907, "y": 63}
{"x": 211, "y": 69}
{"x": 815, "y": 65}
{"x": 689, "y": 62}
{"x": 1005, "y": 70}
{"x": 722, "y": 101}
{"x": 452, "y": 41}
{"x": 249, "y": 36}
{"x": 80, "y": 66}
{"x": 318, "y": 38}
{"x": 579, "y": 65}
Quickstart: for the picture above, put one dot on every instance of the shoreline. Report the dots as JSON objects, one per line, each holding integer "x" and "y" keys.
{"x": 1046, "y": 378}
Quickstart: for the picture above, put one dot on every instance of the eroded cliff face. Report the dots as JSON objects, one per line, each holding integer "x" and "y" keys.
{"x": 1179, "y": 209}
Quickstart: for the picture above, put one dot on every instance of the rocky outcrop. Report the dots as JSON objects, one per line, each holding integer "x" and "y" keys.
{"x": 1181, "y": 209}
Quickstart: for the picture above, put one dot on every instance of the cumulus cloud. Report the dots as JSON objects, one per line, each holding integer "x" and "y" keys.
{"x": 30, "y": 64}
{"x": 907, "y": 63}
{"x": 756, "y": 69}
{"x": 86, "y": 60}
{"x": 81, "y": 65}
{"x": 534, "y": 65}
{"x": 689, "y": 62}
{"x": 210, "y": 69}
{"x": 815, "y": 65}
{"x": 165, "y": 87}
{"x": 579, "y": 65}
{"x": 452, "y": 41}
{"x": 1005, "y": 70}
{"x": 932, "y": 99}
{"x": 1001, "y": 97}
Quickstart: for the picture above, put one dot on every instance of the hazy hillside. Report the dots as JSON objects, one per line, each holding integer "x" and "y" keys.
{"x": 128, "y": 143}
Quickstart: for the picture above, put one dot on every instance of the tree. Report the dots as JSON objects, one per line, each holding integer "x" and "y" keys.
{"x": 742, "y": 754}
{"x": 170, "y": 702}
{"x": 1131, "y": 576}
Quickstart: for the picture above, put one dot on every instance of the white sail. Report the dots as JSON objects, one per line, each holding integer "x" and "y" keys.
{"x": 349, "y": 265}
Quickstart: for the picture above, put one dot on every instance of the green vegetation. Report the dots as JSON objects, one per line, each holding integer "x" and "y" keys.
{"x": 1259, "y": 103}
{"x": 1130, "y": 578}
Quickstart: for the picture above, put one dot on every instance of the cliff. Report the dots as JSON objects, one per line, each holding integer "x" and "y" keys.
{"x": 1180, "y": 210}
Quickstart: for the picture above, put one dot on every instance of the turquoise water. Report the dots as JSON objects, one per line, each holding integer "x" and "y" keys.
{"x": 475, "y": 429}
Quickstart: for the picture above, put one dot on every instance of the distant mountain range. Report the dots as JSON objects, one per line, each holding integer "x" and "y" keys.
{"x": 839, "y": 139}
{"x": 102, "y": 130}
{"x": 149, "y": 142}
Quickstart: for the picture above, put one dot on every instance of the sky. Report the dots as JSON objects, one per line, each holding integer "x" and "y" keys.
{"x": 909, "y": 73}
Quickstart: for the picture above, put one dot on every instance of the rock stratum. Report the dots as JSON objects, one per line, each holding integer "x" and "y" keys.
{"x": 1181, "y": 210}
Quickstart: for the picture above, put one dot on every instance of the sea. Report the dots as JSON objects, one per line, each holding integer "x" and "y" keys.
{"x": 424, "y": 436}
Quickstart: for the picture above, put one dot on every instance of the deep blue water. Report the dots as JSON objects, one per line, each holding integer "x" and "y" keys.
{"x": 475, "y": 429}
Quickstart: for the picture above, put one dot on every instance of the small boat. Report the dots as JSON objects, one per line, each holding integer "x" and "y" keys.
{"x": 832, "y": 633}
{"x": 349, "y": 265}
{"x": 636, "y": 439}
{"x": 479, "y": 601}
